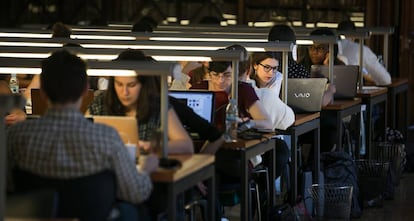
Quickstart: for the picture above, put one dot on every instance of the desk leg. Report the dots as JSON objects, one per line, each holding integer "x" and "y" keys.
{"x": 272, "y": 177}
{"x": 339, "y": 132}
{"x": 211, "y": 196}
{"x": 317, "y": 154}
{"x": 294, "y": 168}
{"x": 368, "y": 131}
{"x": 357, "y": 136}
{"x": 172, "y": 202}
{"x": 245, "y": 206}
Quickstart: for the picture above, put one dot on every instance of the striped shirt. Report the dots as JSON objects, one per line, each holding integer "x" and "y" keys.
{"x": 64, "y": 144}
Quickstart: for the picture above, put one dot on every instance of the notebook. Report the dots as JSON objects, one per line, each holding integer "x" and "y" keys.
{"x": 305, "y": 94}
{"x": 345, "y": 79}
{"x": 202, "y": 102}
{"x": 40, "y": 105}
{"x": 127, "y": 127}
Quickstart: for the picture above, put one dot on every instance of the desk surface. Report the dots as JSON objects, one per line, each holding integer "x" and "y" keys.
{"x": 395, "y": 82}
{"x": 240, "y": 143}
{"x": 303, "y": 118}
{"x": 371, "y": 91}
{"x": 342, "y": 104}
{"x": 190, "y": 163}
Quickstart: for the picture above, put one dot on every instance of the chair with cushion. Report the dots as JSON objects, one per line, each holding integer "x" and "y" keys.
{"x": 86, "y": 198}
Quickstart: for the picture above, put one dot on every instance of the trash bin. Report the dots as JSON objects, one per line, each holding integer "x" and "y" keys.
{"x": 331, "y": 201}
{"x": 372, "y": 176}
{"x": 394, "y": 153}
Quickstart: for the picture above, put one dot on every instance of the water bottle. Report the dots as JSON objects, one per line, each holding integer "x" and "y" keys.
{"x": 14, "y": 84}
{"x": 231, "y": 121}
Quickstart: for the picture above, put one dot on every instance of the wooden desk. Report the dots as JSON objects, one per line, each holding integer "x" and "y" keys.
{"x": 195, "y": 168}
{"x": 304, "y": 123}
{"x": 340, "y": 109}
{"x": 248, "y": 149}
{"x": 397, "y": 97}
{"x": 372, "y": 96}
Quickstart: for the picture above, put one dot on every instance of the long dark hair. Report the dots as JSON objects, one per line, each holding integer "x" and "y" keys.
{"x": 148, "y": 103}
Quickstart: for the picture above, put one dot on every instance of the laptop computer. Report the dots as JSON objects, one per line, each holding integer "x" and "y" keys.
{"x": 304, "y": 95}
{"x": 345, "y": 79}
{"x": 127, "y": 127}
{"x": 40, "y": 105}
{"x": 202, "y": 102}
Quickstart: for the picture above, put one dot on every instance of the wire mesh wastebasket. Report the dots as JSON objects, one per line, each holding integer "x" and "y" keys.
{"x": 331, "y": 201}
{"x": 394, "y": 153}
{"x": 372, "y": 176}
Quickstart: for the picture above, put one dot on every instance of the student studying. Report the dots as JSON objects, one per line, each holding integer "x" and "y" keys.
{"x": 58, "y": 147}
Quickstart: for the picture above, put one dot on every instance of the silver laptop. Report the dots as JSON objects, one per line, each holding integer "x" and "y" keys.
{"x": 304, "y": 95}
{"x": 345, "y": 79}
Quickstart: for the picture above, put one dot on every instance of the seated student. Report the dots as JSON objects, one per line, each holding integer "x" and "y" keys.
{"x": 65, "y": 151}
{"x": 16, "y": 114}
{"x": 140, "y": 97}
{"x": 250, "y": 107}
{"x": 374, "y": 72}
{"x": 318, "y": 54}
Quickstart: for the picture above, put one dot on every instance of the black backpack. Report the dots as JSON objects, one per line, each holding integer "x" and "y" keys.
{"x": 339, "y": 168}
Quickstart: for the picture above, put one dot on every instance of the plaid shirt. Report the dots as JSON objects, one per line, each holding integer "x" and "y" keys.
{"x": 64, "y": 144}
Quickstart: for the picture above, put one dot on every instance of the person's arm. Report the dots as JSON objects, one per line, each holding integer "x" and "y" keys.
{"x": 35, "y": 83}
{"x": 134, "y": 185}
{"x": 14, "y": 116}
{"x": 328, "y": 95}
{"x": 205, "y": 130}
{"x": 260, "y": 118}
{"x": 179, "y": 140}
{"x": 213, "y": 146}
{"x": 376, "y": 70}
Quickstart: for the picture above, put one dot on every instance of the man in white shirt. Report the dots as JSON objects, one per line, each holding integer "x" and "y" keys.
{"x": 373, "y": 69}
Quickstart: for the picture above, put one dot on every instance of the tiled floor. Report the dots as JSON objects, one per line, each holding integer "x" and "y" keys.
{"x": 399, "y": 209}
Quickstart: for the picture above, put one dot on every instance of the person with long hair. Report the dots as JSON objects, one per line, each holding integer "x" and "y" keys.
{"x": 139, "y": 96}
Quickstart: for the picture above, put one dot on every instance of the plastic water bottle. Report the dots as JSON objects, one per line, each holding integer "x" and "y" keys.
{"x": 14, "y": 84}
{"x": 231, "y": 121}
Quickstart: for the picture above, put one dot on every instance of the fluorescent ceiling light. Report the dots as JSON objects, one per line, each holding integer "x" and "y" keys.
{"x": 102, "y": 37}
{"x": 160, "y": 47}
{"x": 181, "y": 58}
{"x": 25, "y": 55}
{"x": 8, "y": 70}
{"x": 205, "y": 39}
{"x": 101, "y": 30}
{"x": 31, "y": 44}
{"x": 24, "y": 35}
{"x": 111, "y": 72}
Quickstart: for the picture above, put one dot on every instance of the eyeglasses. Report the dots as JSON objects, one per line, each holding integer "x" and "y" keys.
{"x": 267, "y": 68}
{"x": 318, "y": 48}
{"x": 225, "y": 75}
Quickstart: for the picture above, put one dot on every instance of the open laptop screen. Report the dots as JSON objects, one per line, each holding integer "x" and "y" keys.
{"x": 202, "y": 102}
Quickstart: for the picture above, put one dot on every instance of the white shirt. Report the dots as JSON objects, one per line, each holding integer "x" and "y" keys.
{"x": 375, "y": 69}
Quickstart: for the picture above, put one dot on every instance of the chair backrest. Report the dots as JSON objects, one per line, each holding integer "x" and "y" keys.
{"x": 87, "y": 198}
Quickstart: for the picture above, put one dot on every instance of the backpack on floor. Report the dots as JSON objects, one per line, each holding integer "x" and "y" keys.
{"x": 339, "y": 168}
